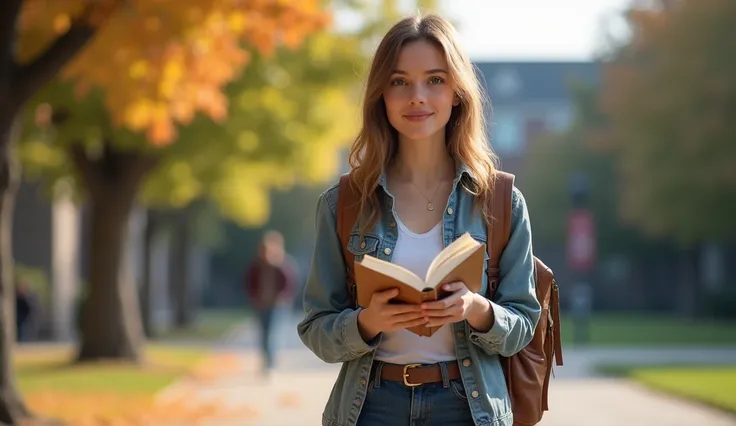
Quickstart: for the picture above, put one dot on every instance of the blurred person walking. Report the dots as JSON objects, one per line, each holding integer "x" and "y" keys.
{"x": 270, "y": 281}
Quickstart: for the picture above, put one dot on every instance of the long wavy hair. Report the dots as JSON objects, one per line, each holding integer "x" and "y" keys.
{"x": 466, "y": 137}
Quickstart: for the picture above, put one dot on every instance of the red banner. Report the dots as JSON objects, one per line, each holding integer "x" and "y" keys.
{"x": 581, "y": 247}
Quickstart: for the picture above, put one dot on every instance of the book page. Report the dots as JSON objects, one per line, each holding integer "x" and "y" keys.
{"x": 461, "y": 245}
{"x": 393, "y": 270}
{"x": 452, "y": 256}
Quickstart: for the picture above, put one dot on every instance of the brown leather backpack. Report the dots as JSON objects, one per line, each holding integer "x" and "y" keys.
{"x": 527, "y": 372}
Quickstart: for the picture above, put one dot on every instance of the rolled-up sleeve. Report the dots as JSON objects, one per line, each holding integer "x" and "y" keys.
{"x": 330, "y": 326}
{"x": 516, "y": 309}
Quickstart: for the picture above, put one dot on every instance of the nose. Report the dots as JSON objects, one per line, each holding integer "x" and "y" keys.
{"x": 418, "y": 95}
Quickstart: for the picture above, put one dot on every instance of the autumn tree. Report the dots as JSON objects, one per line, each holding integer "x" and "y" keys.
{"x": 289, "y": 117}
{"x": 22, "y": 73}
{"x": 154, "y": 66}
{"x": 291, "y": 113}
{"x": 670, "y": 98}
{"x": 292, "y": 117}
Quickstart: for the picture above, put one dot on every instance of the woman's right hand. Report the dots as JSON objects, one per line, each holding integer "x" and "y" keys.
{"x": 382, "y": 316}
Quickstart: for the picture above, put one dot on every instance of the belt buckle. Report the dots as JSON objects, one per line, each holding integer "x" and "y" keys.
{"x": 406, "y": 375}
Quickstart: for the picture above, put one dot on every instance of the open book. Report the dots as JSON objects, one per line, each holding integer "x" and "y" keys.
{"x": 460, "y": 261}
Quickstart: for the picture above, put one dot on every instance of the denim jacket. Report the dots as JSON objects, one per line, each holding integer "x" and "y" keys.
{"x": 330, "y": 326}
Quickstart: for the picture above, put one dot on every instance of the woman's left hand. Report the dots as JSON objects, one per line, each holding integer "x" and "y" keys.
{"x": 460, "y": 305}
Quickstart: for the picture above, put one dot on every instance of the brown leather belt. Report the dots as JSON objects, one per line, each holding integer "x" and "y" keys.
{"x": 418, "y": 374}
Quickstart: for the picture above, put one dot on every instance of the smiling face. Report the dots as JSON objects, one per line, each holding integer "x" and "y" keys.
{"x": 420, "y": 96}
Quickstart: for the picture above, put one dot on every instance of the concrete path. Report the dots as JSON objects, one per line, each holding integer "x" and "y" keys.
{"x": 296, "y": 392}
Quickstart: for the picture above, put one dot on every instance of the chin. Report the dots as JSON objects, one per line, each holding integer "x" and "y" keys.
{"x": 418, "y": 134}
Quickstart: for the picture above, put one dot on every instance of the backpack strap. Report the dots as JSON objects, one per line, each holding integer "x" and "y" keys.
{"x": 499, "y": 228}
{"x": 348, "y": 202}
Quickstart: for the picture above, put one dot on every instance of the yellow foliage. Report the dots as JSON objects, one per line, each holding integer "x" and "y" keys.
{"x": 158, "y": 62}
{"x": 246, "y": 202}
{"x": 138, "y": 70}
{"x": 40, "y": 156}
{"x": 243, "y": 190}
{"x": 248, "y": 141}
{"x": 62, "y": 22}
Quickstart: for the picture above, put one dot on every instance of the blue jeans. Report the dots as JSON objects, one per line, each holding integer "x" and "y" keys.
{"x": 432, "y": 404}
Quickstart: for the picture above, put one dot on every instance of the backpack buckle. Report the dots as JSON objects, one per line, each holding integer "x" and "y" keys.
{"x": 492, "y": 284}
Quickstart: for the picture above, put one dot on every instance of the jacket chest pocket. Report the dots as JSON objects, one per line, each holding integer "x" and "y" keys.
{"x": 359, "y": 247}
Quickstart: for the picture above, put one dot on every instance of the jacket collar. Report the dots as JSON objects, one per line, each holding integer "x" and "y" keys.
{"x": 461, "y": 170}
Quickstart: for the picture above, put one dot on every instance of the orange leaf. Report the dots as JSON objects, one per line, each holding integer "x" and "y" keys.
{"x": 180, "y": 63}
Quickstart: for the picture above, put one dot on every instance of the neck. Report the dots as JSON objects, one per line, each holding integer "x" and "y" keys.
{"x": 424, "y": 161}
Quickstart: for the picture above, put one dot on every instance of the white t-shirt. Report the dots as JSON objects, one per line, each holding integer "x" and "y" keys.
{"x": 415, "y": 252}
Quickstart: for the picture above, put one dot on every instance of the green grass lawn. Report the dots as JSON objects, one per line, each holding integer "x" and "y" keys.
{"x": 210, "y": 325}
{"x": 711, "y": 385}
{"x": 51, "y": 370}
{"x": 656, "y": 330}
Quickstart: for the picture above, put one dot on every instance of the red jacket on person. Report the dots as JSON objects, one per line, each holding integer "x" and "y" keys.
{"x": 284, "y": 280}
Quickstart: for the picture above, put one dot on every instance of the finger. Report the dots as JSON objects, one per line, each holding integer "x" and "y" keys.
{"x": 408, "y": 316}
{"x": 454, "y": 310}
{"x": 402, "y": 308}
{"x": 442, "y": 303}
{"x": 453, "y": 286}
{"x": 439, "y": 313}
{"x": 436, "y": 322}
{"x": 385, "y": 296}
{"x": 411, "y": 323}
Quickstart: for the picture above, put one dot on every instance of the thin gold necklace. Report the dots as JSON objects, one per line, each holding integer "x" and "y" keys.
{"x": 430, "y": 205}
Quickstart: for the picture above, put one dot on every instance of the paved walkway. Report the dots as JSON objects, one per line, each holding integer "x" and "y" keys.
{"x": 296, "y": 392}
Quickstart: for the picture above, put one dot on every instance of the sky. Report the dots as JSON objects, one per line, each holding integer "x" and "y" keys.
{"x": 534, "y": 29}
{"x": 528, "y": 30}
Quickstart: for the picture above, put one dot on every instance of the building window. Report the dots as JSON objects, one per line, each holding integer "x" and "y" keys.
{"x": 507, "y": 134}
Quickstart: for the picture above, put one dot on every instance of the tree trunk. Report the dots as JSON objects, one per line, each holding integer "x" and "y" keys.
{"x": 111, "y": 321}
{"x": 18, "y": 82}
{"x": 12, "y": 408}
{"x": 153, "y": 222}
{"x": 110, "y": 324}
{"x": 180, "y": 276}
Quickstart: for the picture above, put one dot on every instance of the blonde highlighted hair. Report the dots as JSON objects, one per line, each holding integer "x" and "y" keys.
{"x": 466, "y": 136}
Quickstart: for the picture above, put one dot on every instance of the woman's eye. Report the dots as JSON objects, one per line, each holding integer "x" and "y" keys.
{"x": 436, "y": 80}
{"x": 398, "y": 82}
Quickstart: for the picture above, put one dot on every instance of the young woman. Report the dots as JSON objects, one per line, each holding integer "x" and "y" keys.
{"x": 424, "y": 168}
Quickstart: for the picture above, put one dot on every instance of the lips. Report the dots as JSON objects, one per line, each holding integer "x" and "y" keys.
{"x": 418, "y": 115}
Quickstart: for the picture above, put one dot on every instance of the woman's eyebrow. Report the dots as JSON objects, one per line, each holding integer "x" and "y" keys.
{"x": 432, "y": 71}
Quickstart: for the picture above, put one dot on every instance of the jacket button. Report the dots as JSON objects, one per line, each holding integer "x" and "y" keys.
{"x": 475, "y": 394}
{"x": 466, "y": 363}
{"x": 460, "y": 334}
{"x": 362, "y": 381}
{"x": 362, "y": 244}
{"x": 387, "y": 251}
{"x": 392, "y": 224}
{"x": 449, "y": 210}
{"x": 357, "y": 402}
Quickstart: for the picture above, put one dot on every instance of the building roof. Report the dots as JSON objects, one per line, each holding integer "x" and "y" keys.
{"x": 522, "y": 82}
